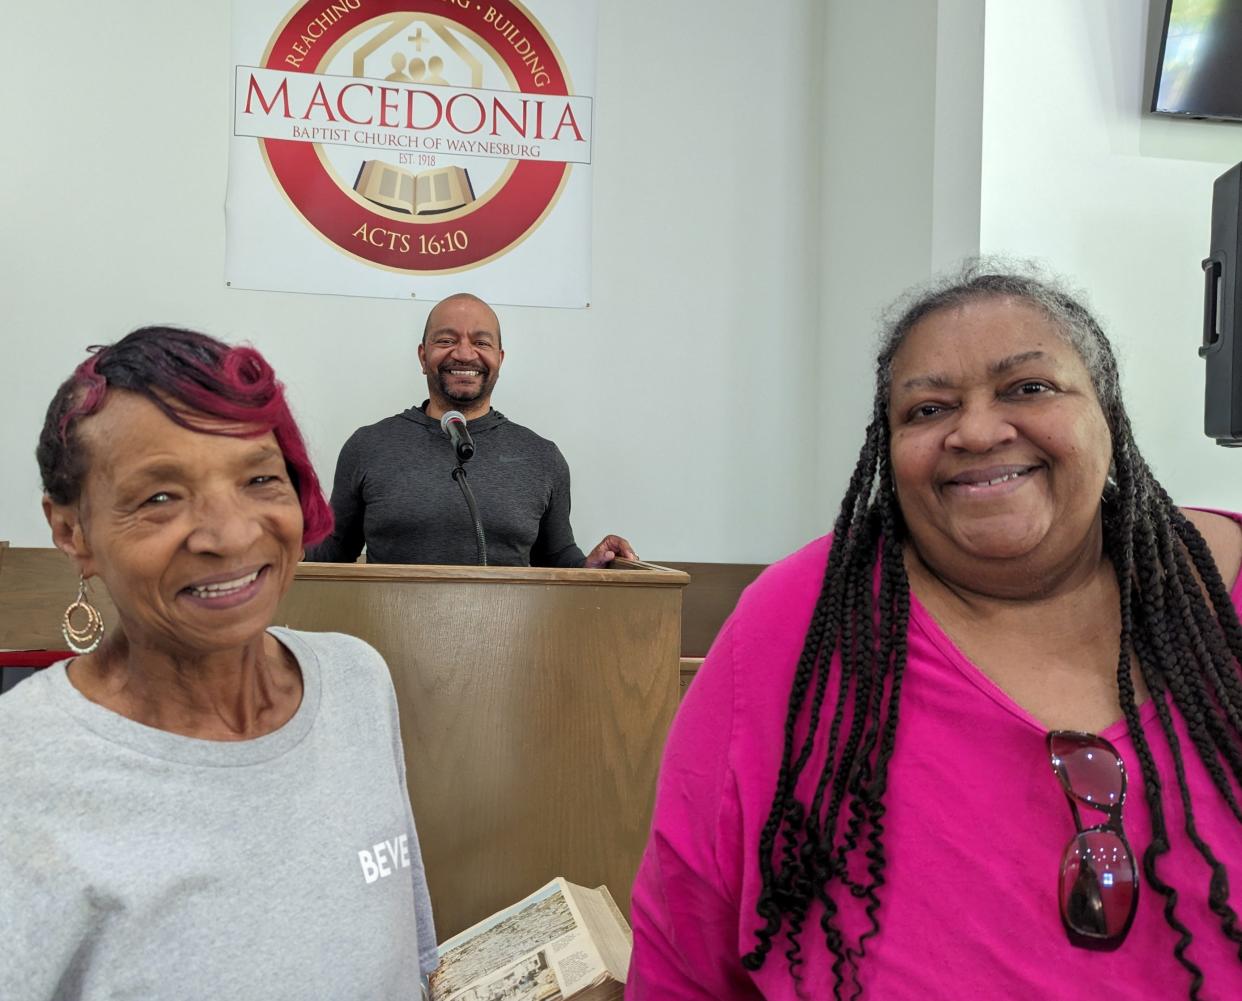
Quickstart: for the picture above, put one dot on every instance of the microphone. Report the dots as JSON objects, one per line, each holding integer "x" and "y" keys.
{"x": 454, "y": 425}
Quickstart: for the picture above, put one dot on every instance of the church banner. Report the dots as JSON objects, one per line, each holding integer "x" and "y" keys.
{"x": 413, "y": 148}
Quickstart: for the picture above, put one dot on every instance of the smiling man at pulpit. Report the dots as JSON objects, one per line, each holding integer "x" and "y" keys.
{"x": 393, "y": 490}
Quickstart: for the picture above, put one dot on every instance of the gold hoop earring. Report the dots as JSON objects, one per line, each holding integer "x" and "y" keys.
{"x": 87, "y": 638}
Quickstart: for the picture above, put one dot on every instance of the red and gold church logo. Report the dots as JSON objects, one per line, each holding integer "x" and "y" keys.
{"x": 422, "y": 136}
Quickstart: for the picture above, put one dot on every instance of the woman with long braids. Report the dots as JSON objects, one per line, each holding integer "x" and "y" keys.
{"x": 985, "y": 740}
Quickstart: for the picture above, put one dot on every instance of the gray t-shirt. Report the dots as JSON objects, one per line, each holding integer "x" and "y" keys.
{"x": 136, "y": 863}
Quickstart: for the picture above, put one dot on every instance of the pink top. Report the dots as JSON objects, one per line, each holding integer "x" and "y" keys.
{"x": 976, "y": 826}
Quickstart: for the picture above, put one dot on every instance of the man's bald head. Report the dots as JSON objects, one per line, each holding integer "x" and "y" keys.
{"x": 461, "y": 355}
{"x": 460, "y": 297}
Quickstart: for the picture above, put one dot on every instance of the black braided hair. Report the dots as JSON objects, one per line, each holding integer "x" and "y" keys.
{"x": 1177, "y": 622}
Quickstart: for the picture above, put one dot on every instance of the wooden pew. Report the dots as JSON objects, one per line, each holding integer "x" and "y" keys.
{"x": 708, "y": 600}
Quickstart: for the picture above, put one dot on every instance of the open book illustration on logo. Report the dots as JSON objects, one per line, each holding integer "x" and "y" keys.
{"x": 428, "y": 192}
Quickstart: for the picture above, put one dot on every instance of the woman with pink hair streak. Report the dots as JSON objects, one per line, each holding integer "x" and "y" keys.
{"x": 199, "y": 804}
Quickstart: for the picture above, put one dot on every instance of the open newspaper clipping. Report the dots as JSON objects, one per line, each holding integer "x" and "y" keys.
{"x": 539, "y": 949}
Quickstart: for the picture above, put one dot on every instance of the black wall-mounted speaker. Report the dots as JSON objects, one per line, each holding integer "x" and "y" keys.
{"x": 1222, "y": 313}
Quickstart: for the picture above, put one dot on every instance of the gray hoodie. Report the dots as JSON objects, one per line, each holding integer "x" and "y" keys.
{"x": 394, "y": 493}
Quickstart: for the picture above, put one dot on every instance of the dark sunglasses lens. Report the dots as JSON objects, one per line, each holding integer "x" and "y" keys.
{"x": 1089, "y": 770}
{"x": 1098, "y": 885}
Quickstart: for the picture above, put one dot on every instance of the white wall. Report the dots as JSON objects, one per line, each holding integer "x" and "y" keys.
{"x": 902, "y": 90}
{"x": 817, "y": 157}
{"x": 1075, "y": 173}
{"x": 703, "y": 303}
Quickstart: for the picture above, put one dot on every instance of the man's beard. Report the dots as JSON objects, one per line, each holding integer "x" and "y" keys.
{"x": 463, "y": 395}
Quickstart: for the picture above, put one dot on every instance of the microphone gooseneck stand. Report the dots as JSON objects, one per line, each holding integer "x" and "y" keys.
{"x": 453, "y": 424}
{"x": 459, "y": 474}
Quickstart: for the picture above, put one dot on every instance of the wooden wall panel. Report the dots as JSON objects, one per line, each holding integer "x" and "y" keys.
{"x": 711, "y": 595}
{"x": 36, "y": 586}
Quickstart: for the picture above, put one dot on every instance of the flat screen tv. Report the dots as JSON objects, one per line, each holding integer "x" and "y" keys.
{"x": 1199, "y": 72}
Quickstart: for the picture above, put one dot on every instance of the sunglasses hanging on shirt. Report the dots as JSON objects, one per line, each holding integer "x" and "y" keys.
{"x": 1098, "y": 884}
